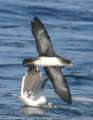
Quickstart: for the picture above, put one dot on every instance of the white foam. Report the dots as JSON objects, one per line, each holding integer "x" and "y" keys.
{"x": 82, "y": 99}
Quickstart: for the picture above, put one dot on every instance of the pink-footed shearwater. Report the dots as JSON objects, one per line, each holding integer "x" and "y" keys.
{"x": 45, "y": 48}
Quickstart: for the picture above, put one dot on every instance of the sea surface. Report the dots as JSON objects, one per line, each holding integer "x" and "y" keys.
{"x": 70, "y": 26}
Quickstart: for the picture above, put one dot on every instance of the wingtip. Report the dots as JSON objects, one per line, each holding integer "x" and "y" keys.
{"x": 65, "y": 96}
{"x": 68, "y": 98}
{"x": 36, "y": 24}
{"x": 36, "y": 19}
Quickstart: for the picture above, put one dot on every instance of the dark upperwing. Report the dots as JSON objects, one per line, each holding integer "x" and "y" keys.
{"x": 44, "y": 47}
{"x": 42, "y": 39}
{"x": 59, "y": 83}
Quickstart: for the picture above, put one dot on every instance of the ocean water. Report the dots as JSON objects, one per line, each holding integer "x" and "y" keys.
{"x": 70, "y": 26}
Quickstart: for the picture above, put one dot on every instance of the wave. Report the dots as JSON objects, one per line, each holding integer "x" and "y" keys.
{"x": 82, "y": 99}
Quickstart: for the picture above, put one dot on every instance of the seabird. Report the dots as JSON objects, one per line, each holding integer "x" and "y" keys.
{"x": 32, "y": 88}
{"x": 45, "y": 48}
{"x": 47, "y": 61}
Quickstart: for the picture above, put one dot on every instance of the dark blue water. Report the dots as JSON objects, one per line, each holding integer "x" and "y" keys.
{"x": 70, "y": 25}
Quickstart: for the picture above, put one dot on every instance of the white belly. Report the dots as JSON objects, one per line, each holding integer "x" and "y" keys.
{"x": 30, "y": 102}
{"x": 48, "y": 61}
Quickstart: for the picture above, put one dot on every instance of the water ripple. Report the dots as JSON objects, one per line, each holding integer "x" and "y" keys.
{"x": 70, "y": 25}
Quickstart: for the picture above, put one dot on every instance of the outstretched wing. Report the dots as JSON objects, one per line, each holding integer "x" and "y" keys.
{"x": 59, "y": 83}
{"x": 32, "y": 84}
{"x": 42, "y": 39}
{"x": 44, "y": 47}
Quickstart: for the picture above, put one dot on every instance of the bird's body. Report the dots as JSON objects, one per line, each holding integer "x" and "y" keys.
{"x": 32, "y": 88}
{"x": 47, "y": 61}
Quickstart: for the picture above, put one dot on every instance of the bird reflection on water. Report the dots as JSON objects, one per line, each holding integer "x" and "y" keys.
{"x": 32, "y": 111}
